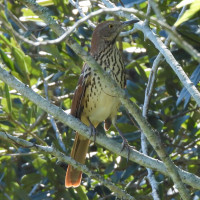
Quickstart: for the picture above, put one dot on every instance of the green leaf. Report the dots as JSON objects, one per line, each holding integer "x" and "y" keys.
{"x": 29, "y": 15}
{"x": 178, "y": 122}
{"x": 22, "y": 62}
{"x": 30, "y": 179}
{"x": 194, "y": 8}
{"x": 8, "y": 100}
{"x": 184, "y": 3}
{"x": 45, "y": 2}
{"x": 18, "y": 191}
{"x": 6, "y": 125}
{"x": 55, "y": 53}
{"x": 7, "y": 60}
{"x": 41, "y": 165}
{"x": 141, "y": 71}
{"x": 20, "y": 58}
{"x": 81, "y": 193}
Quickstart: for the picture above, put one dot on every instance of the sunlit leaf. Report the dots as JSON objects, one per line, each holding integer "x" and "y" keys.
{"x": 29, "y": 15}
{"x": 45, "y": 2}
{"x": 9, "y": 102}
{"x": 7, "y": 60}
{"x": 184, "y": 3}
{"x": 194, "y": 8}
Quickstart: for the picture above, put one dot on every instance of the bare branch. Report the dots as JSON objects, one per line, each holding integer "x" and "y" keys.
{"x": 76, "y": 5}
{"x": 148, "y": 93}
{"x": 173, "y": 34}
{"x": 144, "y": 142}
{"x": 151, "y": 135}
{"x": 165, "y": 52}
{"x": 43, "y": 13}
{"x": 53, "y": 123}
{"x": 101, "y": 139}
{"x": 62, "y": 157}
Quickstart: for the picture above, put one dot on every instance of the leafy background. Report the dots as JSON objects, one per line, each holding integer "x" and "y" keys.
{"x": 27, "y": 174}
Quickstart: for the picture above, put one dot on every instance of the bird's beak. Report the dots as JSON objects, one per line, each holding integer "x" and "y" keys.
{"x": 126, "y": 23}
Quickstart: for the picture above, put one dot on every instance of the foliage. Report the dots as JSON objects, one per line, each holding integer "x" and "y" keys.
{"x": 26, "y": 174}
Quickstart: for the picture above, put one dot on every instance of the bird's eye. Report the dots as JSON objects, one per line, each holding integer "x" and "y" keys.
{"x": 110, "y": 25}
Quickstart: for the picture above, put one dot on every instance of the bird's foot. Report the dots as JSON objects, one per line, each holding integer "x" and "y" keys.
{"x": 93, "y": 131}
{"x": 125, "y": 144}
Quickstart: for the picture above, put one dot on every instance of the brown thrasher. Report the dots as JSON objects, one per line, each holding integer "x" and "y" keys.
{"x": 93, "y": 102}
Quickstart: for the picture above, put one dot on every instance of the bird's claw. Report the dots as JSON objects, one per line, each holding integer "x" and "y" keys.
{"x": 93, "y": 132}
{"x": 125, "y": 145}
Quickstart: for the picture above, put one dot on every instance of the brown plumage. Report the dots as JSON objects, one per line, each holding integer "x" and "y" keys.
{"x": 93, "y": 102}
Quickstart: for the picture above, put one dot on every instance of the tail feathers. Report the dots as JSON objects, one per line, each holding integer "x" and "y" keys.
{"x": 73, "y": 177}
{"x": 79, "y": 151}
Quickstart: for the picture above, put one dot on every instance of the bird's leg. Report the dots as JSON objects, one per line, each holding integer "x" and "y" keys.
{"x": 125, "y": 142}
{"x": 93, "y": 131}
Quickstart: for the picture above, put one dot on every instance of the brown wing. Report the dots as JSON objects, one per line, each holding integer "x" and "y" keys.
{"x": 79, "y": 93}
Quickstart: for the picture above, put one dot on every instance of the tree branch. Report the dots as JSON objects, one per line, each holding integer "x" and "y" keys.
{"x": 116, "y": 10}
{"x": 148, "y": 93}
{"x": 53, "y": 123}
{"x": 149, "y": 133}
{"x": 43, "y": 14}
{"x": 134, "y": 110}
{"x": 144, "y": 142}
{"x": 76, "y": 5}
{"x": 62, "y": 157}
{"x": 125, "y": 12}
{"x": 101, "y": 139}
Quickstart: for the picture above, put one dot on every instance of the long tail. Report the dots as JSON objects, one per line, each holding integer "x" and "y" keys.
{"x": 79, "y": 151}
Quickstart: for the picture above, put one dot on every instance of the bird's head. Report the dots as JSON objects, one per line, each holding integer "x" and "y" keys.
{"x": 106, "y": 33}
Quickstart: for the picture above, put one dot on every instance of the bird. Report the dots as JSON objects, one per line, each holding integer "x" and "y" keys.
{"x": 93, "y": 102}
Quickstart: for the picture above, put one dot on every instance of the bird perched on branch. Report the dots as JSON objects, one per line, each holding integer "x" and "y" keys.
{"x": 93, "y": 101}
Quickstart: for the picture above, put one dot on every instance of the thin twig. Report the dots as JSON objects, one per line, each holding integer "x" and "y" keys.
{"x": 82, "y": 129}
{"x": 140, "y": 26}
{"x": 62, "y": 157}
{"x": 148, "y": 93}
{"x": 37, "y": 121}
{"x": 131, "y": 106}
{"x": 53, "y": 123}
{"x": 144, "y": 142}
{"x": 180, "y": 115}
{"x": 20, "y": 154}
{"x": 168, "y": 162}
{"x": 173, "y": 34}
{"x": 76, "y": 5}
{"x": 25, "y": 129}
{"x": 146, "y": 21}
